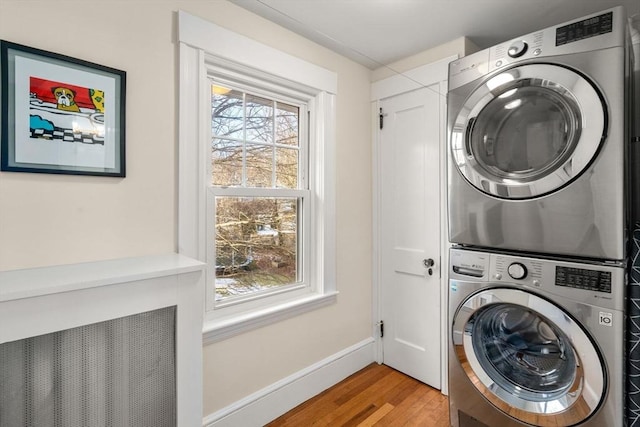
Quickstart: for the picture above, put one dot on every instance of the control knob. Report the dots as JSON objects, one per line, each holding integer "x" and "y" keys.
{"x": 517, "y": 49}
{"x": 517, "y": 271}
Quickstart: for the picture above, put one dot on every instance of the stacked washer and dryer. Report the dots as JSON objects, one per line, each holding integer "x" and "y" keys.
{"x": 538, "y": 200}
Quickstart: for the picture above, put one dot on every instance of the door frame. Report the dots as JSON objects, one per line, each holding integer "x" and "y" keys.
{"x": 435, "y": 73}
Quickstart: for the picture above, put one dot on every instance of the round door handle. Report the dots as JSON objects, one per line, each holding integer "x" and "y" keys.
{"x": 429, "y": 262}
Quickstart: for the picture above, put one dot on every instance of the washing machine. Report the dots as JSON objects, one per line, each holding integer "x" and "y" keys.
{"x": 535, "y": 341}
{"x": 537, "y": 141}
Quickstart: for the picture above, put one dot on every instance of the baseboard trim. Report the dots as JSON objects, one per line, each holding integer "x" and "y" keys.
{"x": 269, "y": 403}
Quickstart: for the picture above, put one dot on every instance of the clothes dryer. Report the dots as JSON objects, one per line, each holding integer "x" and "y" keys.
{"x": 535, "y": 342}
{"x": 537, "y": 141}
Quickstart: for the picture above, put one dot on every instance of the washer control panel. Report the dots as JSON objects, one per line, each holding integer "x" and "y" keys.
{"x": 523, "y": 270}
{"x": 593, "y": 283}
{"x": 582, "y": 278}
{"x": 517, "y": 270}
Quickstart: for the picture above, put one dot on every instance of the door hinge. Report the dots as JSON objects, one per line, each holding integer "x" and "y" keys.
{"x": 381, "y": 116}
{"x": 381, "y": 326}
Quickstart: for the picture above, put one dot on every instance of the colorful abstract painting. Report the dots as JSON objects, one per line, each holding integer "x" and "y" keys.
{"x": 66, "y": 112}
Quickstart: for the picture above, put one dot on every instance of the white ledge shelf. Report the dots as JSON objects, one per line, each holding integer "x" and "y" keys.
{"x": 38, "y": 301}
{"x": 33, "y": 282}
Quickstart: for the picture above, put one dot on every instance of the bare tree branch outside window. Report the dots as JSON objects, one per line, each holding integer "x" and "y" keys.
{"x": 255, "y": 144}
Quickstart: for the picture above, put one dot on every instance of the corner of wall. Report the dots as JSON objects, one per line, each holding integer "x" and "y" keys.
{"x": 469, "y": 47}
{"x": 275, "y": 400}
{"x": 454, "y": 47}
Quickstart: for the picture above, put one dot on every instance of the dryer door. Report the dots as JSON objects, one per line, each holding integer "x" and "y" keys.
{"x": 528, "y": 131}
{"x": 528, "y": 358}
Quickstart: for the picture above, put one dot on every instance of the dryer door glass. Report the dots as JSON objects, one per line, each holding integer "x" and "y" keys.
{"x": 528, "y": 131}
{"x": 528, "y": 358}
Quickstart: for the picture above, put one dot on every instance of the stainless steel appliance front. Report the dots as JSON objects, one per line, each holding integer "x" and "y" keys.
{"x": 534, "y": 341}
{"x": 537, "y": 143}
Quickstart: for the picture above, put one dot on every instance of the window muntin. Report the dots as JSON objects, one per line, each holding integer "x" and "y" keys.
{"x": 256, "y": 182}
{"x": 255, "y": 140}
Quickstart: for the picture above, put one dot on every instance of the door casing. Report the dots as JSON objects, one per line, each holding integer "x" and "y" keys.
{"x": 427, "y": 75}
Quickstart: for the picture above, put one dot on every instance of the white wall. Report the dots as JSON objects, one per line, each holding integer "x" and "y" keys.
{"x": 48, "y": 219}
{"x": 461, "y": 46}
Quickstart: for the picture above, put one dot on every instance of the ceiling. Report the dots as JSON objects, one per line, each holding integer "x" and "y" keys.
{"x": 378, "y": 32}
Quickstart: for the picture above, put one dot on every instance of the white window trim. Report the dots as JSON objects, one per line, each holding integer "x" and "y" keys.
{"x": 201, "y": 44}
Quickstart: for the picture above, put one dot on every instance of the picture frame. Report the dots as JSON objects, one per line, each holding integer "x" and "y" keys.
{"x": 60, "y": 115}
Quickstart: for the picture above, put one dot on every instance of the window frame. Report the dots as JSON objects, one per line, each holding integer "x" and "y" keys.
{"x": 206, "y": 49}
{"x": 304, "y": 285}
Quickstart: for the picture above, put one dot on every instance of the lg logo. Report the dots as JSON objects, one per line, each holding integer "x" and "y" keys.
{"x": 606, "y": 319}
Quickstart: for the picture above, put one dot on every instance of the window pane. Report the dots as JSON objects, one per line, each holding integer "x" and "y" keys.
{"x": 287, "y": 124}
{"x": 227, "y": 112}
{"x": 259, "y": 119}
{"x": 226, "y": 162}
{"x": 286, "y": 168}
{"x": 259, "y": 165}
{"x": 250, "y": 134}
{"x": 256, "y": 244}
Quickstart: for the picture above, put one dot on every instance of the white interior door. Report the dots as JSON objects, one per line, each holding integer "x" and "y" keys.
{"x": 410, "y": 230}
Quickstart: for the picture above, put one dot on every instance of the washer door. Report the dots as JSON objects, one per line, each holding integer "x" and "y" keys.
{"x": 528, "y": 358}
{"x": 528, "y": 131}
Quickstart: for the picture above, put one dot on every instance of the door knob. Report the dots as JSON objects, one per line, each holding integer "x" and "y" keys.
{"x": 429, "y": 263}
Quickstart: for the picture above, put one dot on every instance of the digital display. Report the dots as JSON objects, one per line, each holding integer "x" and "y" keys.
{"x": 580, "y": 278}
{"x": 590, "y": 27}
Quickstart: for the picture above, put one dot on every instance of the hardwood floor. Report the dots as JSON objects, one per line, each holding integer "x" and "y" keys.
{"x": 375, "y": 396}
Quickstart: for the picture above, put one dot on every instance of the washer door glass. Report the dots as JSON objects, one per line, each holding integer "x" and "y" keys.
{"x": 528, "y": 131}
{"x": 528, "y": 357}
{"x": 522, "y": 351}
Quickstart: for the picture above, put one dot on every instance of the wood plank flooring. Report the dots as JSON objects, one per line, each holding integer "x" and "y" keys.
{"x": 375, "y": 396}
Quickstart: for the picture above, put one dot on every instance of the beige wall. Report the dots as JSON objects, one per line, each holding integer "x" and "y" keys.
{"x": 461, "y": 46}
{"x": 47, "y": 219}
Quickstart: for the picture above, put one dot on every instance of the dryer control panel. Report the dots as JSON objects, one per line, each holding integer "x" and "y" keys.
{"x": 595, "y": 32}
{"x": 590, "y": 27}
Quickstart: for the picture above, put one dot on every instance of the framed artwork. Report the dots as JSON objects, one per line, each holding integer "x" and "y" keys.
{"x": 59, "y": 114}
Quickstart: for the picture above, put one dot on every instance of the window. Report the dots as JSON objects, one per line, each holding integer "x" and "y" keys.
{"x": 256, "y": 177}
{"x": 259, "y": 191}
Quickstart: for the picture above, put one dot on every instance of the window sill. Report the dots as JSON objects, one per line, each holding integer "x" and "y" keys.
{"x": 215, "y": 330}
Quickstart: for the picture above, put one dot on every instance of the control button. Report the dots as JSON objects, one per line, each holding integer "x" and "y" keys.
{"x": 517, "y": 271}
{"x": 536, "y": 283}
{"x": 517, "y": 49}
{"x": 498, "y": 63}
{"x": 537, "y": 52}
{"x": 498, "y": 276}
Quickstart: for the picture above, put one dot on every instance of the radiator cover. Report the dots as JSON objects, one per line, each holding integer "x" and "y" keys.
{"x": 119, "y": 372}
